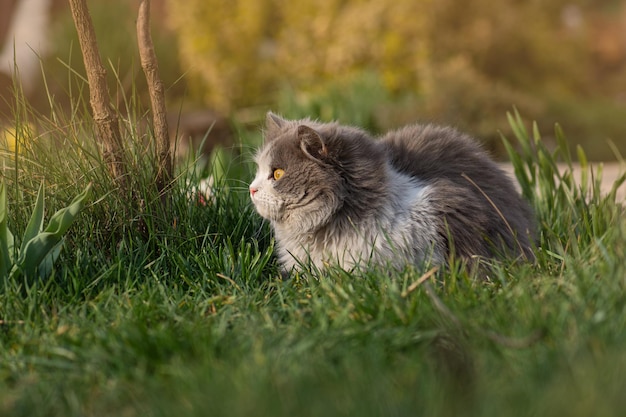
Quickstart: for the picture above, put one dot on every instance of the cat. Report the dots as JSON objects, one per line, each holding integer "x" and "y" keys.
{"x": 335, "y": 195}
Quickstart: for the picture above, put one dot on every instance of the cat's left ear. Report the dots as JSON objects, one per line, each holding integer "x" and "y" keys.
{"x": 273, "y": 125}
{"x": 312, "y": 143}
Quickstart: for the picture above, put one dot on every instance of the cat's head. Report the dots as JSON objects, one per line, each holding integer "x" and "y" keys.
{"x": 307, "y": 171}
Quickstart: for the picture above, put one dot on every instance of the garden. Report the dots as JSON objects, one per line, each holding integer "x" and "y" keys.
{"x": 139, "y": 297}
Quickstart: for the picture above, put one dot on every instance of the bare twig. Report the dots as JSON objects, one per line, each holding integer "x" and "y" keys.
{"x": 155, "y": 86}
{"x": 419, "y": 281}
{"x": 106, "y": 121}
{"x": 230, "y": 280}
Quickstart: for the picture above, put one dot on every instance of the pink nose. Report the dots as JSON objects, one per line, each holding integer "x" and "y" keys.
{"x": 253, "y": 191}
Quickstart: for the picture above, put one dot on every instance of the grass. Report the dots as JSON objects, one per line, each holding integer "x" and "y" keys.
{"x": 188, "y": 316}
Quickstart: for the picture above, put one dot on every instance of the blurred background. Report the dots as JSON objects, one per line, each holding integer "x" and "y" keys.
{"x": 375, "y": 63}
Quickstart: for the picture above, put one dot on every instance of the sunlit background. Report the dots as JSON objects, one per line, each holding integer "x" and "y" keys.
{"x": 375, "y": 63}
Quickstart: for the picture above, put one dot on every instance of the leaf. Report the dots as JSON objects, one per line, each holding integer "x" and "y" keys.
{"x": 39, "y": 247}
{"x": 6, "y": 238}
{"x": 45, "y": 267}
{"x": 35, "y": 252}
{"x": 35, "y": 225}
{"x": 63, "y": 218}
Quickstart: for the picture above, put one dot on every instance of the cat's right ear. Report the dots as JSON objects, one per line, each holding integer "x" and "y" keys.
{"x": 273, "y": 125}
{"x": 312, "y": 144}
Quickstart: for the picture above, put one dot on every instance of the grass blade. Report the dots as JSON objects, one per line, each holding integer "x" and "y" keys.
{"x": 584, "y": 173}
{"x": 523, "y": 178}
{"x": 35, "y": 224}
{"x": 562, "y": 145}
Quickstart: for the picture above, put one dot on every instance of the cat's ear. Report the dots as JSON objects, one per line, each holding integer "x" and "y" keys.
{"x": 312, "y": 143}
{"x": 273, "y": 125}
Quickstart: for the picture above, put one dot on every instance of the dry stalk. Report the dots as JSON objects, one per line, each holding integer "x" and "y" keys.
{"x": 150, "y": 67}
{"x": 105, "y": 119}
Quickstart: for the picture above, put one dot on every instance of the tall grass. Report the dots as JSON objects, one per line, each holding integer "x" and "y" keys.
{"x": 574, "y": 213}
{"x": 188, "y": 315}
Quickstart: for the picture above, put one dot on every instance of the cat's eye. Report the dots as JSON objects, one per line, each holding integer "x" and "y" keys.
{"x": 278, "y": 173}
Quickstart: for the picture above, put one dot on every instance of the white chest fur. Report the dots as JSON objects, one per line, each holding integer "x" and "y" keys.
{"x": 403, "y": 231}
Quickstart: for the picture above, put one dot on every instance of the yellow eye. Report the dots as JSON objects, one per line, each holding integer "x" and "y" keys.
{"x": 278, "y": 174}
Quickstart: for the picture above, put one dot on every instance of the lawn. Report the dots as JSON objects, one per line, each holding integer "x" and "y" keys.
{"x": 182, "y": 312}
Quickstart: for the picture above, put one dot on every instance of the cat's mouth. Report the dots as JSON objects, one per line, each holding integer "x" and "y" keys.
{"x": 267, "y": 209}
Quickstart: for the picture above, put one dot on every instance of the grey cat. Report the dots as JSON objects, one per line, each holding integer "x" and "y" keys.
{"x": 335, "y": 195}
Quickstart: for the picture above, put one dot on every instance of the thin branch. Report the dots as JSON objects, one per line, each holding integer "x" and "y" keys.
{"x": 150, "y": 67}
{"x": 419, "y": 281}
{"x": 105, "y": 119}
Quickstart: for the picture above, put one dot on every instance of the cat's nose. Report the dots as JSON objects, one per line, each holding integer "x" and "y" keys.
{"x": 253, "y": 191}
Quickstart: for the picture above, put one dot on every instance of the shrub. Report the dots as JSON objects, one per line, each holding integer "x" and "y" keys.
{"x": 243, "y": 51}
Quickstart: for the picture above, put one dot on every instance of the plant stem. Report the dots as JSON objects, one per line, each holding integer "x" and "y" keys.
{"x": 106, "y": 121}
{"x": 150, "y": 67}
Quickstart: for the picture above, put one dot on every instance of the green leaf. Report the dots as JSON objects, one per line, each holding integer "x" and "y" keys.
{"x": 45, "y": 267}
{"x": 35, "y": 252}
{"x": 6, "y": 238}
{"x": 62, "y": 219}
{"x": 39, "y": 247}
{"x": 35, "y": 225}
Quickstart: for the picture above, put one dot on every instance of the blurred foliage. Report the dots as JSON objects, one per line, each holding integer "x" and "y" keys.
{"x": 242, "y": 51}
{"x": 373, "y": 63}
{"x": 358, "y": 101}
{"x": 524, "y": 44}
{"x": 426, "y": 60}
{"x": 114, "y": 23}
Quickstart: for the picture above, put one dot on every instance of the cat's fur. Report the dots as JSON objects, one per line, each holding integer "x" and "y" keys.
{"x": 416, "y": 194}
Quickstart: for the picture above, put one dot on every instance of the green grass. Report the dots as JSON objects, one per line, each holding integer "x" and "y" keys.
{"x": 153, "y": 312}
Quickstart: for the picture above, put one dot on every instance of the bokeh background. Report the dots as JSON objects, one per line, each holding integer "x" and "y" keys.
{"x": 375, "y": 63}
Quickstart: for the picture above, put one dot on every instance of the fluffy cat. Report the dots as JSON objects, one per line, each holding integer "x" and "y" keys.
{"x": 335, "y": 195}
